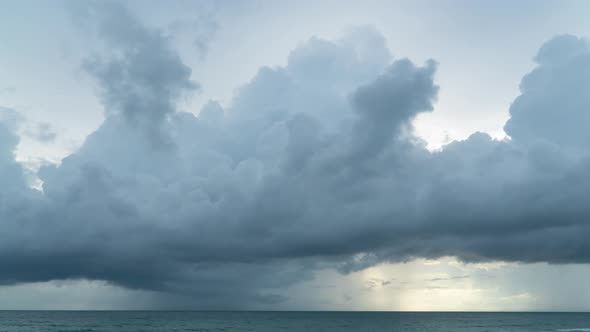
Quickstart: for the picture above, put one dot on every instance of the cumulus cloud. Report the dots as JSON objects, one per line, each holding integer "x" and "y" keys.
{"x": 312, "y": 165}
{"x": 141, "y": 77}
{"x": 552, "y": 106}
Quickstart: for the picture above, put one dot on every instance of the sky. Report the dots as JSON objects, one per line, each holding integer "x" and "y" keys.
{"x": 308, "y": 155}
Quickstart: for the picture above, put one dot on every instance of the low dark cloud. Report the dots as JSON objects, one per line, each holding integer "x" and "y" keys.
{"x": 313, "y": 165}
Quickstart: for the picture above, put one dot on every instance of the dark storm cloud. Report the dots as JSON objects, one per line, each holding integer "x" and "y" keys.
{"x": 312, "y": 165}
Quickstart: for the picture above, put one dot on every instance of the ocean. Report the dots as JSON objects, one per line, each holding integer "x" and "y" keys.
{"x": 133, "y": 321}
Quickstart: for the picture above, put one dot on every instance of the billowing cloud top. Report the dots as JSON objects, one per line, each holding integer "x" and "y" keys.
{"x": 313, "y": 164}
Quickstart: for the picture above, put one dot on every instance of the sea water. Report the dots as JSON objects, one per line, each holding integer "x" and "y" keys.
{"x": 132, "y": 321}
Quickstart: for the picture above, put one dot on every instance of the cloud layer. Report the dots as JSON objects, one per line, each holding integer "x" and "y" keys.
{"x": 313, "y": 165}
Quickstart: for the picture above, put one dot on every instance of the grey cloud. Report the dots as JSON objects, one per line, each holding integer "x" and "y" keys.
{"x": 551, "y": 106}
{"x": 311, "y": 166}
{"x": 143, "y": 77}
{"x": 9, "y": 122}
{"x": 377, "y": 283}
{"x": 17, "y": 122}
{"x": 390, "y": 102}
{"x": 449, "y": 278}
{"x": 42, "y": 132}
{"x": 202, "y": 31}
{"x": 561, "y": 49}
{"x": 17, "y": 200}
{"x": 10, "y": 118}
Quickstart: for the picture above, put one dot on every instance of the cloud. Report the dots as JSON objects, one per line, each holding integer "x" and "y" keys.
{"x": 202, "y": 31}
{"x": 552, "y": 104}
{"x": 142, "y": 77}
{"x": 17, "y": 200}
{"x": 313, "y": 165}
{"x": 42, "y": 132}
{"x": 449, "y": 278}
{"x": 374, "y": 283}
{"x": 16, "y": 123}
{"x": 12, "y": 175}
